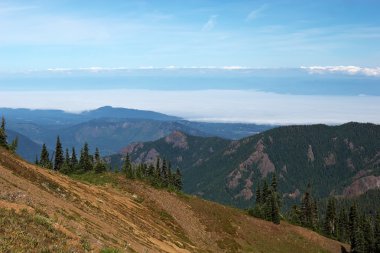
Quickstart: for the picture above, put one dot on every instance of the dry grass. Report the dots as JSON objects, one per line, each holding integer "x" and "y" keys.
{"x": 118, "y": 215}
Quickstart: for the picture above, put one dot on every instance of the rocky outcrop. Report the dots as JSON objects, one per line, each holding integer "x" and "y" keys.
{"x": 178, "y": 139}
{"x": 330, "y": 160}
{"x": 310, "y": 154}
{"x": 258, "y": 157}
{"x": 362, "y": 185}
{"x": 133, "y": 147}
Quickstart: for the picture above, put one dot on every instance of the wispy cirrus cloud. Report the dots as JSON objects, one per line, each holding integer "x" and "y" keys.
{"x": 255, "y": 13}
{"x": 210, "y": 24}
{"x": 350, "y": 70}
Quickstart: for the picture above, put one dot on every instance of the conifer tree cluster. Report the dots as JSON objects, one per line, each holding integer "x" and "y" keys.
{"x": 3, "y": 138}
{"x": 267, "y": 204}
{"x": 160, "y": 175}
{"x": 67, "y": 163}
{"x": 306, "y": 214}
{"x": 361, "y": 231}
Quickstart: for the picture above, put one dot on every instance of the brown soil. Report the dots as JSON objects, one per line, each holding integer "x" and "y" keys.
{"x": 135, "y": 217}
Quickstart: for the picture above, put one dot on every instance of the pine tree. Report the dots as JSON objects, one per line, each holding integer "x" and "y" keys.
{"x": 275, "y": 212}
{"x": 36, "y": 162}
{"x": 342, "y": 226}
{"x": 329, "y": 226}
{"x": 14, "y": 145}
{"x": 274, "y": 182}
{"x": 3, "y": 134}
{"x": 356, "y": 236}
{"x": 377, "y": 232}
{"x": 127, "y": 167}
{"x": 44, "y": 158}
{"x": 158, "y": 169}
{"x": 306, "y": 212}
{"x": 99, "y": 164}
{"x": 265, "y": 191}
{"x": 85, "y": 162}
{"x": 178, "y": 180}
{"x": 59, "y": 159}
{"x": 67, "y": 157}
{"x": 74, "y": 160}
{"x": 258, "y": 195}
{"x": 164, "y": 174}
{"x": 66, "y": 169}
{"x": 368, "y": 234}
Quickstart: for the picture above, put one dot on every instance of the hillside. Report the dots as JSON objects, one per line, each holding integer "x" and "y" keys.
{"x": 47, "y": 211}
{"x": 109, "y": 128}
{"x": 335, "y": 160}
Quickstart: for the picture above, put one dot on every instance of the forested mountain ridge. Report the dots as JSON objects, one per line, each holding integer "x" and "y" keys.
{"x": 334, "y": 160}
{"x": 109, "y": 128}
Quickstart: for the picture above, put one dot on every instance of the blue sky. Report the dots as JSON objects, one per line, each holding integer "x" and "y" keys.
{"x": 280, "y": 61}
{"x": 41, "y": 34}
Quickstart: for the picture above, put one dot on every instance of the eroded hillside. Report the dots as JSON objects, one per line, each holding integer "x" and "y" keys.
{"x": 44, "y": 210}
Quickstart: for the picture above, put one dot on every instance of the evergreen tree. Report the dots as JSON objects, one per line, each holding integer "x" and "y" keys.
{"x": 356, "y": 236}
{"x": 14, "y": 144}
{"x": 275, "y": 210}
{"x": 127, "y": 167}
{"x": 178, "y": 180}
{"x": 59, "y": 159}
{"x": 3, "y": 134}
{"x": 44, "y": 158}
{"x": 329, "y": 226}
{"x": 368, "y": 234}
{"x": 274, "y": 182}
{"x": 342, "y": 226}
{"x": 158, "y": 169}
{"x": 66, "y": 169}
{"x": 306, "y": 210}
{"x": 258, "y": 195}
{"x": 85, "y": 162}
{"x": 36, "y": 162}
{"x": 377, "y": 233}
{"x": 67, "y": 157}
{"x": 265, "y": 191}
{"x": 99, "y": 164}
{"x": 74, "y": 160}
{"x": 164, "y": 174}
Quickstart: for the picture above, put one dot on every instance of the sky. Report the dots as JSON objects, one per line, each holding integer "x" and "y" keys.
{"x": 281, "y": 61}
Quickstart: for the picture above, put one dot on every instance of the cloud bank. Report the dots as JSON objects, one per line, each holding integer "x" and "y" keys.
{"x": 210, "y": 105}
{"x": 350, "y": 70}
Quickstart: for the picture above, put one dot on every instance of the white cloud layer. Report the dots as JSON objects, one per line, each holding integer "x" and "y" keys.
{"x": 210, "y": 105}
{"x": 351, "y": 70}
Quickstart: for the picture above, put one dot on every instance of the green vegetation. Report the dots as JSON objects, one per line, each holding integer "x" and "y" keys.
{"x": 23, "y": 231}
{"x": 160, "y": 176}
{"x": 355, "y": 227}
{"x": 267, "y": 205}
{"x": 3, "y": 138}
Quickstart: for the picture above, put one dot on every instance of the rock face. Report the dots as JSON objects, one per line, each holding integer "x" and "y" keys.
{"x": 178, "y": 139}
{"x": 258, "y": 158}
{"x": 310, "y": 154}
{"x": 330, "y": 160}
{"x": 361, "y": 185}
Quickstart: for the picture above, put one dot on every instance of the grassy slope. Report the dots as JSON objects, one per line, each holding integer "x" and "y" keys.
{"x": 54, "y": 212}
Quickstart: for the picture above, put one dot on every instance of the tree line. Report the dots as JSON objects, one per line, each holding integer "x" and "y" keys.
{"x": 3, "y": 138}
{"x": 267, "y": 205}
{"x": 360, "y": 230}
{"x": 160, "y": 175}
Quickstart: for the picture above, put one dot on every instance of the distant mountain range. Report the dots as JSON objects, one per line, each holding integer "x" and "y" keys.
{"x": 108, "y": 128}
{"x": 335, "y": 160}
